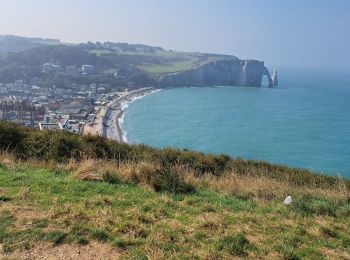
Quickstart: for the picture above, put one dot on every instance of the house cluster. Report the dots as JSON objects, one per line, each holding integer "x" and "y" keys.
{"x": 71, "y": 71}
{"x": 50, "y": 107}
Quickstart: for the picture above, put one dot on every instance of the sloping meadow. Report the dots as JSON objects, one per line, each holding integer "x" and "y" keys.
{"x": 58, "y": 188}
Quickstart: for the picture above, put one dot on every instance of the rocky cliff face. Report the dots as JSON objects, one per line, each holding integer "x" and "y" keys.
{"x": 219, "y": 72}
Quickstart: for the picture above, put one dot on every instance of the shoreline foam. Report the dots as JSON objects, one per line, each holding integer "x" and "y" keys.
{"x": 124, "y": 104}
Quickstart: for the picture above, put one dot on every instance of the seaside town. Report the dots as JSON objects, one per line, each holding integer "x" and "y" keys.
{"x": 94, "y": 109}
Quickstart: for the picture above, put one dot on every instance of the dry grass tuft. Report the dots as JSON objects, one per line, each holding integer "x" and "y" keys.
{"x": 212, "y": 222}
{"x": 88, "y": 169}
{"x": 142, "y": 173}
{"x": 7, "y": 160}
{"x": 262, "y": 187}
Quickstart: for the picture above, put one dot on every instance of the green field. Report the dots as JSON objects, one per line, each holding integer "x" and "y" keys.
{"x": 163, "y": 61}
{"x": 158, "y": 53}
{"x": 173, "y": 62}
{"x": 104, "y": 52}
{"x": 169, "y": 68}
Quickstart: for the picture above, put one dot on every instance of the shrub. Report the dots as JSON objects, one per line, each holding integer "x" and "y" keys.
{"x": 66, "y": 146}
{"x": 117, "y": 151}
{"x": 37, "y": 145}
{"x": 168, "y": 156}
{"x": 221, "y": 161}
{"x": 140, "y": 152}
{"x": 111, "y": 177}
{"x": 169, "y": 180}
{"x": 11, "y": 137}
{"x": 96, "y": 146}
{"x": 236, "y": 245}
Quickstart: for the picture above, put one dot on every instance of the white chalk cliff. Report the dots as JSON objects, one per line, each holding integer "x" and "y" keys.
{"x": 231, "y": 71}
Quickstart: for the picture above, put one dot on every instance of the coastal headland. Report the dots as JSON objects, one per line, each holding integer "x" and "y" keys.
{"x": 124, "y": 66}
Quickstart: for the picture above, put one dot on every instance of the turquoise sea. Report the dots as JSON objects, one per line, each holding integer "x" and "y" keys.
{"x": 304, "y": 122}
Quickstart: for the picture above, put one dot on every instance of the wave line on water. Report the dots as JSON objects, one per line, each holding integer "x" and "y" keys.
{"x": 125, "y": 104}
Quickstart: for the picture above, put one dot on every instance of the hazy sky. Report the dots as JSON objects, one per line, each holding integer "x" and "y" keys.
{"x": 281, "y": 32}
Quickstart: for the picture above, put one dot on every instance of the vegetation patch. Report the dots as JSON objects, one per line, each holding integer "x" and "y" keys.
{"x": 169, "y": 180}
{"x": 237, "y": 244}
{"x": 316, "y": 205}
{"x": 57, "y": 237}
{"x": 26, "y": 143}
{"x": 112, "y": 177}
{"x": 4, "y": 198}
{"x": 329, "y": 232}
{"x": 122, "y": 243}
{"x": 100, "y": 235}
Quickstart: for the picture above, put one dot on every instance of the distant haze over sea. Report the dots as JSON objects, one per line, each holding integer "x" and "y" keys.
{"x": 305, "y": 122}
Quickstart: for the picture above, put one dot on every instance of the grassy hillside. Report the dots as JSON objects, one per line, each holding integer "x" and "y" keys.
{"x": 130, "y": 61}
{"x": 11, "y": 43}
{"x": 156, "y": 61}
{"x": 67, "y": 195}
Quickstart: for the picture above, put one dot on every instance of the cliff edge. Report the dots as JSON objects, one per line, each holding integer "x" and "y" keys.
{"x": 228, "y": 71}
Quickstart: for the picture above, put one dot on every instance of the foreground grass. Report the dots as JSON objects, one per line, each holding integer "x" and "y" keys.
{"x": 52, "y": 207}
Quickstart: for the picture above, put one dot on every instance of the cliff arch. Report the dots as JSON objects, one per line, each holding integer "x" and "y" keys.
{"x": 267, "y": 74}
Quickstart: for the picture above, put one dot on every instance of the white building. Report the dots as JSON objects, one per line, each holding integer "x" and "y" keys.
{"x": 50, "y": 68}
{"x": 88, "y": 69}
